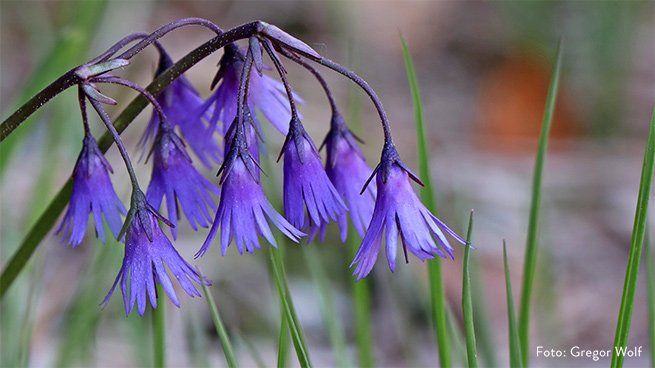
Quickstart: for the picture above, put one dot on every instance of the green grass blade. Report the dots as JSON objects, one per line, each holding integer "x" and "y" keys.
{"x": 297, "y": 334}
{"x": 467, "y": 303}
{"x": 362, "y": 307}
{"x": 650, "y": 285}
{"x": 632, "y": 269}
{"x": 159, "y": 330}
{"x": 283, "y": 342}
{"x": 483, "y": 330}
{"x": 515, "y": 359}
{"x": 330, "y": 315}
{"x": 530, "y": 260}
{"x": 437, "y": 293}
{"x": 230, "y": 357}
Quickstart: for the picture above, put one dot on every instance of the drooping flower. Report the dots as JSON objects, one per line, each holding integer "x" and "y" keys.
{"x": 243, "y": 209}
{"x": 398, "y": 211}
{"x": 92, "y": 192}
{"x": 147, "y": 250}
{"x": 174, "y": 176}
{"x": 181, "y": 103}
{"x": 305, "y": 182}
{"x": 265, "y": 93}
{"x": 348, "y": 171}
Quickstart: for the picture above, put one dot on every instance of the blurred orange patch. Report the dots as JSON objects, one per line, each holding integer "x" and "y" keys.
{"x": 512, "y": 102}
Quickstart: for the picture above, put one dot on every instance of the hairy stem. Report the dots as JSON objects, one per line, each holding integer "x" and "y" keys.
{"x": 119, "y": 143}
{"x": 167, "y": 28}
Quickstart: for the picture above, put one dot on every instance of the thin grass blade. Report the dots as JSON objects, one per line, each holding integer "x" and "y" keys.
{"x": 483, "y": 330}
{"x": 230, "y": 357}
{"x": 437, "y": 293}
{"x": 330, "y": 315}
{"x": 515, "y": 359}
{"x": 638, "y": 232}
{"x": 531, "y": 247}
{"x": 650, "y": 285}
{"x": 362, "y": 303}
{"x": 283, "y": 342}
{"x": 467, "y": 303}
{"x": 297, "y": 334}
{"x": 159, "y": 331}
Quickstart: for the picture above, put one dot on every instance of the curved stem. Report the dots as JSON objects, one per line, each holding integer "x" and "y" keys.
{"x": 369, "y": 91}
{"x": 167, "y": 28}
{"x": 317, "y": 75}
{"x": 359, "y": 81}
{"x": 119, "y": 143}
{"x": 138, "y": 88}
{"x": 117, "y": 46}
{"x": 69, "y": 79}
{"x": 285, "y": 81}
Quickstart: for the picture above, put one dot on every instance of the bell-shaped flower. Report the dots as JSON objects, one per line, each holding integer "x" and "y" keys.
{"x": 180, "y": 102}
{"x": 92, "y": 192}
{"x": 348, "y": 171}
{"x": 265, "y": 93}
{"x": 147, "y": 250}
{"x": 305, "y": 182}
{"x": 398, "y": 211}
{"x": 243, "y": 210}
{"x": 174, "y": 176}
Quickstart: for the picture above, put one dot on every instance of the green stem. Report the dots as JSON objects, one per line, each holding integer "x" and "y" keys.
{"x": 437, "y": 293}
{"x": 467, "y": 303}
{"x": 362, "y": 304}
{"x": 330, "y": 315}
{"x": 515, "y": 353}
{"x": 283, "y": 342}
{"x": 159, "y": 331}
{"x": 638, "y": 230}
{"x": 297, "y": 334}
{"x": 230, "y": 357}
{"x": 650, "y": 284}
{"x": 530, "y": 260}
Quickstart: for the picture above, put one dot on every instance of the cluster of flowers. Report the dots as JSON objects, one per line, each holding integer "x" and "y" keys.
{"x": 314, "y": 194}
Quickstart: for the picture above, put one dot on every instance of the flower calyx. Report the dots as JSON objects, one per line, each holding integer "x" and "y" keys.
{"x": 389, "y": 158}
{"x": 139, "y": 209}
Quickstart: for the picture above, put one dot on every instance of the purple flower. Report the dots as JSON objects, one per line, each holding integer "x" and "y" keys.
{"x": 348, "y": 172}
{"x": 92, "y": 192}
{"x": 180, "y": 102}
{"x": 243, "y": 210}
{"x": 399, "y": 212}
{"x": 147, "y": 249}
{"x": 265, "y": 93}
{"x": 305, "y": 182}
{"x": 174, "y": 176}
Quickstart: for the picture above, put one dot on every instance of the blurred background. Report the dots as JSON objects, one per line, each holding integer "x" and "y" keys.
{"x": 483, "y": 69}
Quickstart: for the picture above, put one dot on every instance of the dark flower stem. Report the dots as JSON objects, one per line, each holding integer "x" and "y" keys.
{"x": 317, "y": 75}
{"x": 70, "y": 79}
{"x": 119, "y": 143}
{"x": 167, "y": 28}
{"x": 117, "y": 46}
{"x": 141, "y": 90}
{"x": 285, "y": 81}
{"x": 85, "y": 119}
{"x": 242, "y": 94}
{"x": 369, "y": 91}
